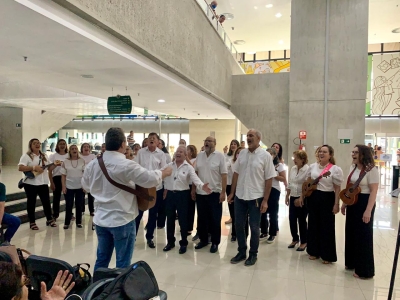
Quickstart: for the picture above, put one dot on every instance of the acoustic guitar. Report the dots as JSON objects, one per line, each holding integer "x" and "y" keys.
{"x": 349, "y": 195}
{"x": 310, "y": 185}
{"x": 33, "y": 174}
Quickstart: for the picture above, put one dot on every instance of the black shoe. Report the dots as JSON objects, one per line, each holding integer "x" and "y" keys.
{"x": 214, "y": 248}
{"x": 200, "y": 245}
{"x": 79, "y": 226}
{"x": 238, "y": 258}
{"x": 160, "y": 227}
{"x": 271, "y": 239}
{"x": 168, "y": 247}
{"x": 195, "y": 238}
{"x": 182, "y": 249}
{"x": 151, "y": 244}
{"x": 301, "y": 249}
{"x": 292, "y": 245}
{"x": 251, "y": 260}
{"x": 233, "y": 238}
{"x": 263, "y": 236}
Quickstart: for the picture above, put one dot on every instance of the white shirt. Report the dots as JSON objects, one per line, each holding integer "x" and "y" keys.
{"x": 276, "y": 183}
{"x": 73, "y": 169}
{"x": 210, "y": 170}
{"x": 296, "y": 180}
{"x": 371, "y": 177}
{"x": 254, "y": 168}
{"x": 229, "y": 163}
{"x": 40, "y": 179}
{"x": 61, "y": 157}
{"x": 151, "y": 160}
{"x": 326, "y": 183}
{"x": 116, "y": 207}
{"x": 88, "y": 158}
{"x": 181, "y": 177}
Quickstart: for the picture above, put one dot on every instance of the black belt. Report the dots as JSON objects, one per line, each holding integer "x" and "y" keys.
{"x": 178, "y": 191}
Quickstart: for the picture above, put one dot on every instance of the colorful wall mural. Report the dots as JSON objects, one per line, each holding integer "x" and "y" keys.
{"x": 264, "y": 67}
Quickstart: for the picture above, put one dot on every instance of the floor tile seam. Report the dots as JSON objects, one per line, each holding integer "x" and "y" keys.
{"x": 195, "y": 288}
{"x": 251, "y": 280}
{"x": 342, "y": 286}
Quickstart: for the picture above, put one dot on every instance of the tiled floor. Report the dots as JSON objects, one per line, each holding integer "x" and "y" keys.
{"x": 279, "y": 274}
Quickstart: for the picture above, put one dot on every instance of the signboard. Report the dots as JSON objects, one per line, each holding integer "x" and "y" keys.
{"x": 345, "y": 141}
{"x": 119, "y": 105}
{"x": 386, "y": 157}
{"x": 303, "y": 135}
{"x": 146, "y": 111}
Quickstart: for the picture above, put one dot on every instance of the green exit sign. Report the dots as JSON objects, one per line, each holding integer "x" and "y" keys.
{"x": 345, "y": 141}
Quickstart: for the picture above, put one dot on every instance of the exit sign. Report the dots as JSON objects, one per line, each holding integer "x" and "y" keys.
{"x": 345, "y": 141}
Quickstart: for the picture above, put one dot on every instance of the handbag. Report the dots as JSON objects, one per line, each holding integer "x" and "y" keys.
{"x": 82, "y": 277}
{"x": 146, "y": 197}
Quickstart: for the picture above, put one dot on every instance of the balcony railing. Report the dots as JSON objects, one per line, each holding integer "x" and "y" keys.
{"x": 212, "y": 17}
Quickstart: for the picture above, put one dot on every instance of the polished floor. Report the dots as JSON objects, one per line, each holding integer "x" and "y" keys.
{"x": 279, "y": 273}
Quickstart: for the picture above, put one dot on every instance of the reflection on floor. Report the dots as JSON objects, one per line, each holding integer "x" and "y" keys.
{"x": 279, "y": 273}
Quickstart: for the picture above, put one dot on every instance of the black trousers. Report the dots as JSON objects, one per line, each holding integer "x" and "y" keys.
{"x": 177, "y": 202}
{"x": 359, "y": 250}
{"x": 271, "y": 226}
{"x": 321, "y": 240}
{"x": 191, "y": 211}
{"x": 90, "y": 203}
{"x": 161, "y": 213}
{"x": 32, "y": 191}
{"x": 209, "y": 215}
{"x": 72, "y": 196}
{"x": 298, "y": 215}
{"x": 57, "y": 196}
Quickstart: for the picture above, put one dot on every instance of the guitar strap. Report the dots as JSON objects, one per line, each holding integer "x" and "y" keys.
{"x": 352, "y": 172}
{"x": 327, "y": 168}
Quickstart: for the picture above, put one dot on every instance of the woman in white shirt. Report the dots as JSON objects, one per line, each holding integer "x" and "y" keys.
{"x": 229, "y": 157}
{"x": 55, "y": 175}
{"x": 35, "y": 161}
{"x": 359, "y": 253}
{"x": 271, "y": 226}
{"x": 88, "y": 156}
{"x": 72, "y": 173}
{"x": 297, "y": 213}
{"x": 322, "y": 206}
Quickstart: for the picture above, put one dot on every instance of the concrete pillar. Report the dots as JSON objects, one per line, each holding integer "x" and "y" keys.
{"x": 328, "y": 52}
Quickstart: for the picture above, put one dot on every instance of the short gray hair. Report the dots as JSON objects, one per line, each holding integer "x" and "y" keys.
{"x": 258, "y": 133}
{"x": 272, "y": 151}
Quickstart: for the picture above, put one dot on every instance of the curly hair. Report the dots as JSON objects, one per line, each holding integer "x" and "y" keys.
{"x": 300, "y": 154}
{"x": 365, "y": 155}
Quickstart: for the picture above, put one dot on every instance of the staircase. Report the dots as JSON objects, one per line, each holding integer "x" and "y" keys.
{"x": 16, "y": 205}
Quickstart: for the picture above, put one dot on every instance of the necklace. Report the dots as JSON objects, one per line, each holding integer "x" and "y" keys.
{"x": 321, "y": 167}
{"x": 77, "y": 163}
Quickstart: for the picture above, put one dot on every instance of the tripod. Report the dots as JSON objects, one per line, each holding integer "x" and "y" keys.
{"x": 396, "y": 257}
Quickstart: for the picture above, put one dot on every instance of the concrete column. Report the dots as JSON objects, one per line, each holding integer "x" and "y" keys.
{"x": 329, "y": 40}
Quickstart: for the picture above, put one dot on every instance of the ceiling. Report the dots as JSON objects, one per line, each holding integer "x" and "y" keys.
{"x": 257, "y": 25}
{"x": 58, "y": 56}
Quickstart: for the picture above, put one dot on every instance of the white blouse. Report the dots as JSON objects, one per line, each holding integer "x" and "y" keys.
{"x": 296, "y": 180}
{"x": 40, "y": 179}
{"x": 229, "y": 165}
{"x": 326, "y": 183}
{"x": 88, "y": 158}
{"x": 60, "y": 157}
{"x": 73, "y": 169}
{"x": 371, "y": 177}
{"x": 276, "y": 183}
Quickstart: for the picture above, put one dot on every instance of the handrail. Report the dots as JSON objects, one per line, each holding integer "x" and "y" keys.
{"x": 213, "y": 18}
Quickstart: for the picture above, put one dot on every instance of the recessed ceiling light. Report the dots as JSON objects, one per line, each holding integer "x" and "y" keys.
{"x": 255, "y": 7}
{"x": 228, "y": 16}
{"x": 161, "y": 100}
{"x": 87, "y": 76}
{"x": 269, "y": 5}
{"x": 396, "y": 30}
{"x": 280, "y": 42}
{"x": 278, "y": 15}
{"x": 239, "y": 42}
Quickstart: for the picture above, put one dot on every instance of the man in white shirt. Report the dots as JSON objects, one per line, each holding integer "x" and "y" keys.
{"x": 116, "y": 209}
{"x": 252, "y": 181}
{"x": 152, "y": 158}
{"x": 176, "y": 195}
{"x": 211, "y": 168}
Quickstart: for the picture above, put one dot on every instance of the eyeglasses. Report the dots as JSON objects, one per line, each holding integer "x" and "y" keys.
{"x": 209, "y": 141}
{"x": 354, "y": 152}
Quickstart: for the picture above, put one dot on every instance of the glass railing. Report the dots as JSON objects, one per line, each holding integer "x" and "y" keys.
{"x": 220, "y": 30}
